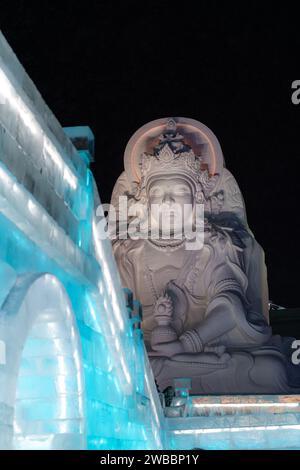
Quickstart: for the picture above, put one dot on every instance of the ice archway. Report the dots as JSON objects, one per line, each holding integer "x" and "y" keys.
{"x": 43, "y": 385}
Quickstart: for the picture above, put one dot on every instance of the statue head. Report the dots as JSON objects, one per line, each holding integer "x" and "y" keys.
{"x": 171, "y": 158}
{"x": 170, "y": 202}
{"x": 172, "y": 163}
{"x": 170, "y": 183}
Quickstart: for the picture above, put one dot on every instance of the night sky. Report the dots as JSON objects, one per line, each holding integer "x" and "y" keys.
{"x": 116, "y": 65}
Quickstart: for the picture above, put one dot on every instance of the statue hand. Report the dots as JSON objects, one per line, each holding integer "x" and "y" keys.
{"x": 163, "y": 309}
{"x": 163, "y": 333}
{"x": 169, "y": 349}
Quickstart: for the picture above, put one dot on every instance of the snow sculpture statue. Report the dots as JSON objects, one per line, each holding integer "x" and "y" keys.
{"x": 205, "y": 308}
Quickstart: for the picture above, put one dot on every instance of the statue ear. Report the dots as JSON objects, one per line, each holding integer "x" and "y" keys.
{"x": 199, "y": 198}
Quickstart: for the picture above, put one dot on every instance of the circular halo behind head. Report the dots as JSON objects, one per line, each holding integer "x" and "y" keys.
{"x": 199, "y": 137}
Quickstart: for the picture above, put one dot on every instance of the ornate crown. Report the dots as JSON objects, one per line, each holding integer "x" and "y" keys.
{"x": 171, "y": 155}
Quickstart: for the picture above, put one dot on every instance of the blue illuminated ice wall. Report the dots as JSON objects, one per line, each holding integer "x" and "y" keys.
{"x": 73, "y": 373}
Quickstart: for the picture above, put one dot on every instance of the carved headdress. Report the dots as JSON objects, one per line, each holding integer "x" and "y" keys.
{"x": 172, "y": 155}
{"x": 186, "y": 148}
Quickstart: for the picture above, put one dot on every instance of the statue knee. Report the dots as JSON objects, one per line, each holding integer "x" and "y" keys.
{"x": 269, "y": 373}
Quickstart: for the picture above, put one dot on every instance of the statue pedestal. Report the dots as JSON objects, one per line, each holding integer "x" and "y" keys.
{"x": 235, "y": 422}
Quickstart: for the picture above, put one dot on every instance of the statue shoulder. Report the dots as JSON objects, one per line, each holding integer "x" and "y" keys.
{"x": 129, "y": 248}
{"x": 226, "y": 247}
{"x": 227, "y": 229}
{"x": 229, "y": 196}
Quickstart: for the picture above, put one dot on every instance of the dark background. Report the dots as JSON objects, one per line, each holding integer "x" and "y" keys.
{"x": 115, "y": 65}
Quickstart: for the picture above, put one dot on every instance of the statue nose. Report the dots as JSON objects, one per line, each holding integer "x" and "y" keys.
{"x": 168, "y": 198}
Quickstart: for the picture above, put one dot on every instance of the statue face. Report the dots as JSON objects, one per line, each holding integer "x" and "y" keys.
{"x": 170, "y": 201}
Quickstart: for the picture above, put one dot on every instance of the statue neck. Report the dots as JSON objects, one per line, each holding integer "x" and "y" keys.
{"x": 167, "y": 245}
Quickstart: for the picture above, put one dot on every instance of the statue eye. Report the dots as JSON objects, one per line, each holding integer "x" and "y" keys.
{"x": 157, "y": 192}
{"x": 182, "y": 190}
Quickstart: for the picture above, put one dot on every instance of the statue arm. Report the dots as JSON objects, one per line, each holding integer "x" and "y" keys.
{"x": 220, "y": 319}
{"x": 226, "y": 287}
